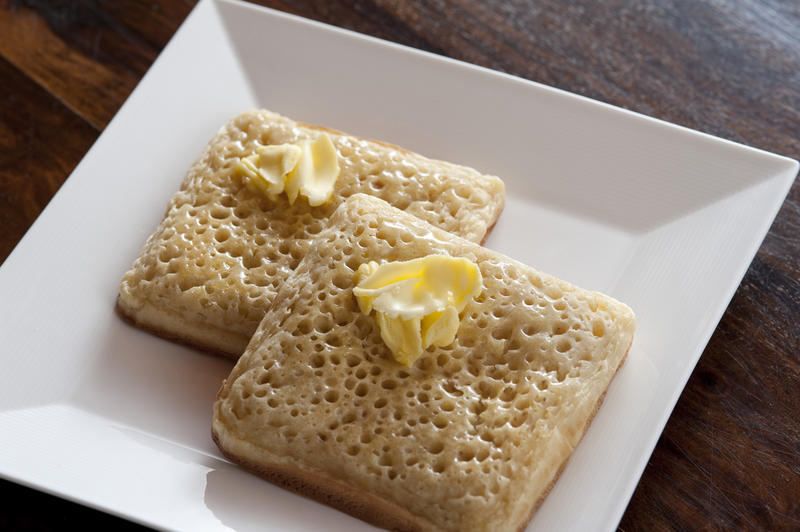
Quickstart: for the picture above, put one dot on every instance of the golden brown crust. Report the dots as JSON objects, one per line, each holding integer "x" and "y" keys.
{"x": 130, "y": 319}
{"x": 332, "y": 492}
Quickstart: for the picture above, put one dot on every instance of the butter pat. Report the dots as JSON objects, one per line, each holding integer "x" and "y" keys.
{"x": 266, "y": 170}
{"x": 309, "y": 168}
{"x": 316, "y": 171}
{"x": 417, "y": 302}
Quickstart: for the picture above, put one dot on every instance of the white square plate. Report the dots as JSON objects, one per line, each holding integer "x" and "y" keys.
{"x": 661, "y": 217}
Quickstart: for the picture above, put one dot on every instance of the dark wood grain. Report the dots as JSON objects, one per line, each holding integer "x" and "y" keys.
{"x": 41, "y": 141}
{"x": 729, "y": 457}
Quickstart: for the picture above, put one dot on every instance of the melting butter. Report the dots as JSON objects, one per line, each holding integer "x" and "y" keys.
{"x": 309, "y": 168}
{"x": 417, "y": 302}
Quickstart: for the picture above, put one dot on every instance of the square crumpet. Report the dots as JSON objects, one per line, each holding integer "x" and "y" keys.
{"x": 212, "y": 267}
{"x": 470, "y": 437}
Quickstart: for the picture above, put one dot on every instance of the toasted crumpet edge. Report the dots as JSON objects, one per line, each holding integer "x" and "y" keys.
{"x": 130, "y": 317}
{"x": 333, "y": 493}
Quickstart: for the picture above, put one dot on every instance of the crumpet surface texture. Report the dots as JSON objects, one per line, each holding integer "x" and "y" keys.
{"x": 471, "y": 436}
{"x": 211, "y": 269}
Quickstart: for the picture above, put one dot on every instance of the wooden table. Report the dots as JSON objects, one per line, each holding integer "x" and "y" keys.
{"x": 729, "y": 457}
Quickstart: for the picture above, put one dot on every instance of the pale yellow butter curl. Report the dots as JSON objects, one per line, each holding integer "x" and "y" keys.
{"x": 309, "y": 168}
{"x": 417, "y": 302}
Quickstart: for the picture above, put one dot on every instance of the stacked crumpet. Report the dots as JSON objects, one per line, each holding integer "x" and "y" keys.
{"x": 398, "y": 370}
